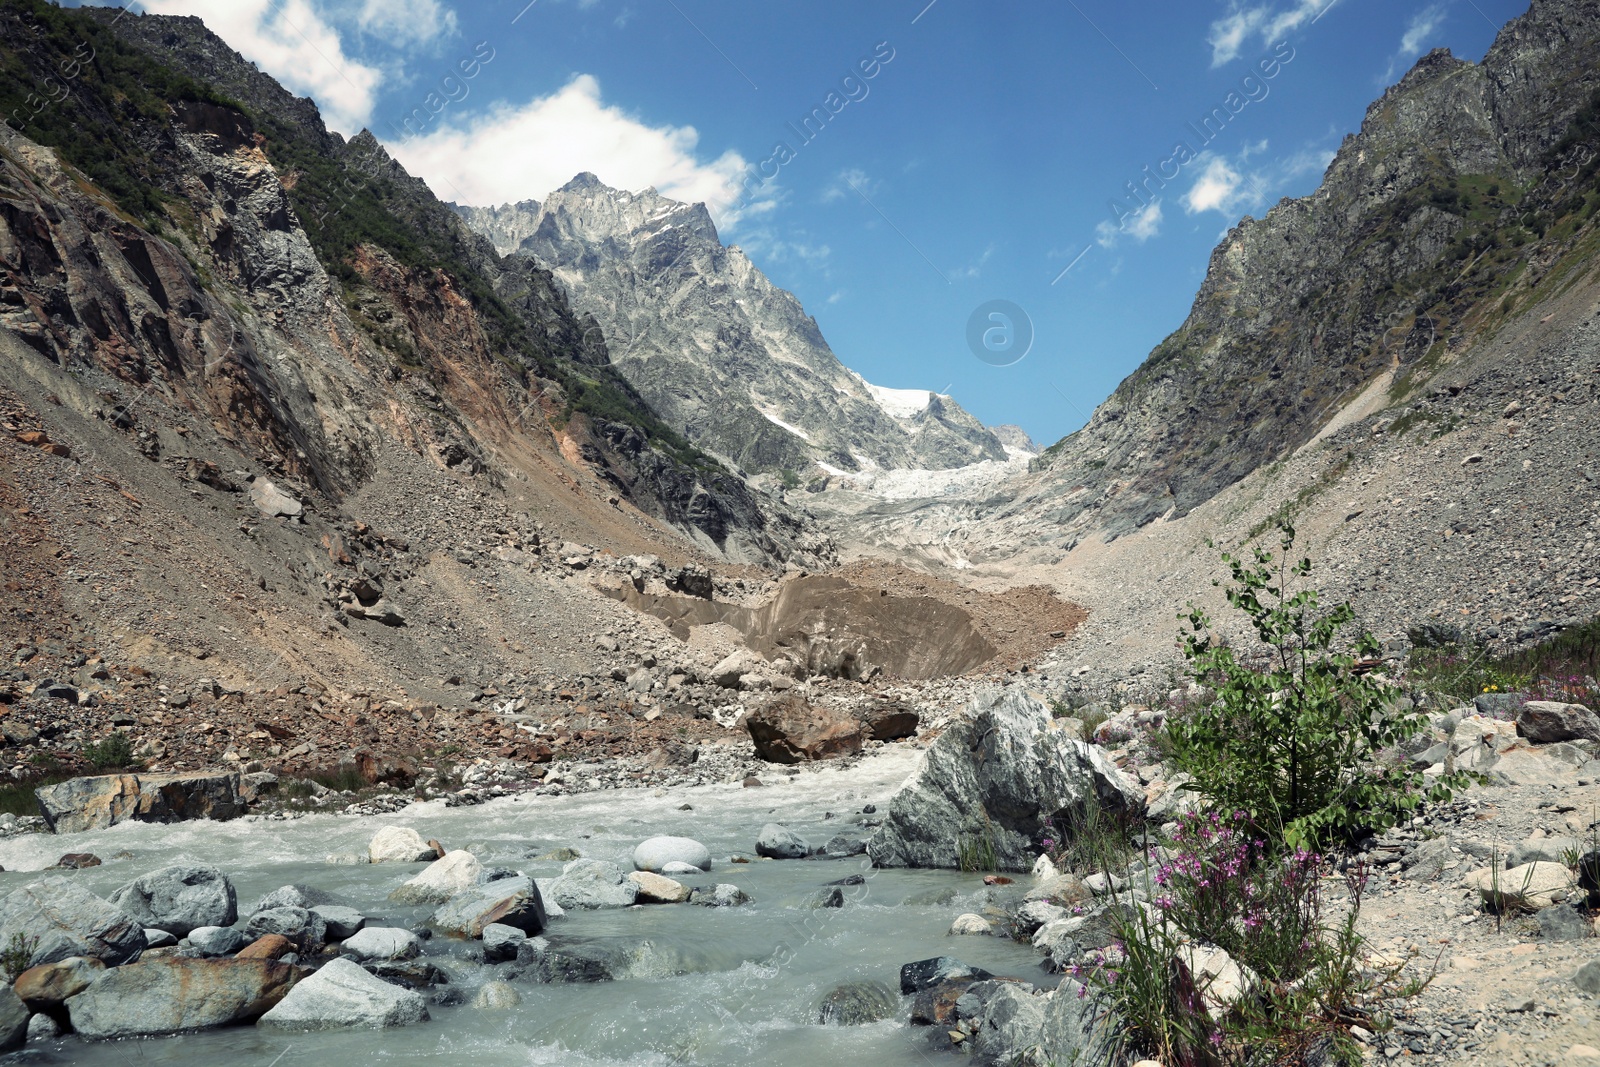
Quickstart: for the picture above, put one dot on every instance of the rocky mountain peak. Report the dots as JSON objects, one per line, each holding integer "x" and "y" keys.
{"x": 726, "y": 357}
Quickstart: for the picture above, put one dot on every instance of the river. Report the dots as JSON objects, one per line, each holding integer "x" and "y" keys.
{"x": 740, "y": 983}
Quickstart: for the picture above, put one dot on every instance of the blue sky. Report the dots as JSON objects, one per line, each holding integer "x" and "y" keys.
{"x": 984, "y": 156}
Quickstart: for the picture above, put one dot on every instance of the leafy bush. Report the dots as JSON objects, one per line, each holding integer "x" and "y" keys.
{"x": 1294, "y": 738}
{"x": 1301, "y": 981}
{"x": 114, "y": 751}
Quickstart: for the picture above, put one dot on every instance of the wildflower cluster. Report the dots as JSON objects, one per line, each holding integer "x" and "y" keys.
{"x": 1223, "y": 886}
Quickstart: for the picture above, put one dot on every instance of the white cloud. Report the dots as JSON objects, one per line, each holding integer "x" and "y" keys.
{"x": 846, "y": 185}
{"x": 836, "y": 296}
{"x": 1421, "y": 28}
{"x": 1224, "y": 185}
{"x": 292, "y": 42}
{"x": 516, "y": 151}
{"x": 973, "y": 270}
{"x": 1216, "y": 189}
{"x": 408, "y": 21}
{"x": 1141, "y": 225}
{"x": 1234, "y": 30}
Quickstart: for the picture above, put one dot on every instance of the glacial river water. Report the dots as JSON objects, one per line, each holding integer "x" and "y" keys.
{"x": 748, "y": 982}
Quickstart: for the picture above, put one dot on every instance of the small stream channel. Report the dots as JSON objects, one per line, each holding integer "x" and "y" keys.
{"x": 743, "y": 984}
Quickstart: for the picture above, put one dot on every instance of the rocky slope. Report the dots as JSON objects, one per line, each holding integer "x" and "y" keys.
{"x": 726, "y": 357}
{"x": 1466, "y": 195}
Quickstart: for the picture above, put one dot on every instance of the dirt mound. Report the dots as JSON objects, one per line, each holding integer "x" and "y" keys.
{"x": 850, "y": 624}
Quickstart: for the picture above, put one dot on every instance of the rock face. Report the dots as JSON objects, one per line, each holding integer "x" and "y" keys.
{"x": 179, "y": 899}
{"x": 790, "y": 730}
{"x": 69, "y": 921}
{"x": 714, "y": 346}
{"x": 342, "y": 996}
{"x": 1550, "y": 720}
{"x": 656, "y": 852}
{"x": 507, "y": 901}
{"x": 988, "y": 784}
{"x": 442, "y": 879}
{"x": 168, "y": 995}
{"x": 96, "y": 803}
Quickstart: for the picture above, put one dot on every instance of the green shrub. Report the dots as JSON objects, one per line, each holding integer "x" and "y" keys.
{"x": 18, "y": 952}
{"x": 1295, "y": 737}
{"x": 113, "y": 752}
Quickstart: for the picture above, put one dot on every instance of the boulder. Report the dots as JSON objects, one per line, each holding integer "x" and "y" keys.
{"x": 858, "y": 1003}
{"x": 787, "y": 729}
{"x": 300, "y": 925}
{"x": 42, "y": 1027}
{"x": 732, "y": 668}
{"x": 1063, "y": 890}
{"x": 890, "y": 720}
{"x": 154, "y": 938}
{"x": 590, "y": 960}
{"x": 658, "y": 889}
{"x": 13, "y": 1021}
{"x": 267, "y": 947}
{"x": 655, "y": 853}
{"x": 1036, "y": 913}
{"x": 342, "y": 995}
{"x": 68, "y": 920}
{"x": 399, "y": 844}
{"x": 165, "y": 996}
{"x": 990, "y": 781}
{"x": 842, "y": 846}
{"x": 970, "y": 923}
{"x": 441, "y": 879}
{"x": 383, "y": 943}
{"x": 49, "y": 985}
{"x": 496, "y": 996}
{"x": 1010, "y": 1028}
{"x": 292, "y": 896}
{"x": 588, "y": 885}
{"x": 1532, "y": 885}
{"x": 1551, "y": 849}
{"x": 679, "y": 868}
{"x": 216, "y": 941}
{"x": 341, "y": 922}
{"x": 1079, "y": 1027}
{"x": 507, "y": 901}
{"x": 500, "y": 942}
{"x": 780, "y": 843}
{"x": 1545, "y": 721}
{"x": 105, "y": 800}
{"x": 180, "y": 898}
{"x": 721, "y": 895}
{"x": 924, "y": 974}
{"x": 272, "y": 501}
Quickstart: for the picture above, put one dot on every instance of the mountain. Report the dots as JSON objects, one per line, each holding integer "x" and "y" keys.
{"x": 1468, "y": 192}
{"x": 728, "y": 359}
{"x": 362, "y": 312}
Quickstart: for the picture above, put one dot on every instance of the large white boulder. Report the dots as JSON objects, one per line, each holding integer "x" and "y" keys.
{"x": 990, "y": 782}
{"x": 441, "y": 879}
{"x": 399, "y": 844}
{"x": 656, "y": 852}
{"x": 342, "y": 995}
